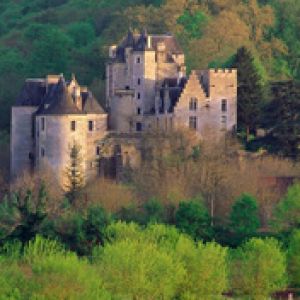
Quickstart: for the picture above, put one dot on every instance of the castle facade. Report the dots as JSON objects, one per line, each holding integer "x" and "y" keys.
{"x": 146, "y": 89}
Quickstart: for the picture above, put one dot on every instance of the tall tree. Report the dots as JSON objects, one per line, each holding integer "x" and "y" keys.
{"x": 244, "y": 219}
{"x": 250, "y": 91}
{"x": 74, "y": 173}
{"x": 282, "y": 118}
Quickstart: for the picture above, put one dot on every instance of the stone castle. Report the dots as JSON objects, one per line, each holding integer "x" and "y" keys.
{"x": 146, "y": 89}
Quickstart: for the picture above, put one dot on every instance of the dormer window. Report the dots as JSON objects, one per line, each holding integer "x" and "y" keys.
{"x": 224, "y": 105}
{"x": 193, "y": 104}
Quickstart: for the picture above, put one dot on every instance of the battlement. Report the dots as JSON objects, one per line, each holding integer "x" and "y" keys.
{"x": 222, "y": 71}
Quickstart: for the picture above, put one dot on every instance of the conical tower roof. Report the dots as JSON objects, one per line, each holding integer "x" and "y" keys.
{"x": 62, "y": 102}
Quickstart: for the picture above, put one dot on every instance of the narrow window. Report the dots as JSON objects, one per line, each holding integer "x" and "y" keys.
{"x": 43, "y": 124}
{"x": 138, "y": 110}
{"x": 193, "y": 104}
{"x": 97, "y": 150}
{"x": 91, "y": 125}
{"x": 139, "y": 81}
{"x": 42, "y": 152}
{"x": 73, "y": 125}
{"x": 138, "y": 95}
{"x": 193, "y": 122}
{"x": 224, "y": 105}
{"x": 138, "y": 126}
{"x": 138, "y": 60}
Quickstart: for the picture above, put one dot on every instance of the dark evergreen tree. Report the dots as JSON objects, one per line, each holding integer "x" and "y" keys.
{"x": 192, "y": 218}
{"x": 74, "y": 172}
{"x": 282, "y": 119}
{"x": 244, "y": 219}
{"x": 250, "y": 92}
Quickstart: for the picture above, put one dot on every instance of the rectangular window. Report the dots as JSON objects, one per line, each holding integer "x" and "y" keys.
{"x": 139, "y": 126}
{"x": 224, "y": 105}
{"x": 42, "y": 152}
{"x": 73, "y": 125}
{"x": 139, "y": 81}
{"x": 138, "y": 111}
{"x": 193, "y": 104}
{"x": 97, "y": 150}
{"x": 193, "y": 122}
{"x": 91, "y": 125}
{"x": 43, "y": 124}
{"x": 138, "y": 95}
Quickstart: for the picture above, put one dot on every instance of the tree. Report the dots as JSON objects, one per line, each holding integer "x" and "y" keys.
{"x": 192, "y": 218}
{"x": 22, "y": 217}
{"x": 50, "y": 51}
{"x": 293, "y": 259}
{"x": 287, "y": 213}
{"x": 206, "y": 267}
{"x": 153, "y": 211}
{"x": 282, "y": 118}
{"x": 250, "y": 92}
{"x": 137, "y": 269}
{"x": 82, "y": 33}
{"x": 244, "y": 219}
{"x": 74, "y": 173}
{"x": 258, "y": 268}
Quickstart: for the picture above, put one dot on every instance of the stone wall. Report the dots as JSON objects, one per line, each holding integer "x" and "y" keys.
{"x": 22, "y": 142}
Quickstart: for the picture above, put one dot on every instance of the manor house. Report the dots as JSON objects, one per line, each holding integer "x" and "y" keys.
{"x": 146, "y": 89}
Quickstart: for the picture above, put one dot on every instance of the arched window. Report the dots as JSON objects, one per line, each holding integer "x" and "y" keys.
{"x": 224, "y": 105}
{"x": 193, "y": 104}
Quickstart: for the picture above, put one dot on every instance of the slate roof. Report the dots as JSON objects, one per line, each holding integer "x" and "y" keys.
{"x": 175, "y": 89}
{"x": 138, "y": 42}
{"x": 56, "y": 99}
{"x": 32, "y": 93}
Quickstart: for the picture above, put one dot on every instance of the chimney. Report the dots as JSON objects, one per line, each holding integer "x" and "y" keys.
{"x": 149, "y": 44}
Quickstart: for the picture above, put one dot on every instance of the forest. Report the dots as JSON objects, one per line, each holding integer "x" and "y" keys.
{"x": 195, "y": 220}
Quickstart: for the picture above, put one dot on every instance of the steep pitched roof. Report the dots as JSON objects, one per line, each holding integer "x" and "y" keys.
{"x": 90, "y": 104}
{"x": 61, "y": 101}
{"x": 32, "y": 93}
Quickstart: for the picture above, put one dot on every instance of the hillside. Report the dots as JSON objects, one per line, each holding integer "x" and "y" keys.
{"x": 38, "y": 37}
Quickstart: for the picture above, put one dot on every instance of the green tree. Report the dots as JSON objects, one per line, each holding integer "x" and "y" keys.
{"x": 206, "y": 267}
{"x": 136, "y": 269}
{"x": 250, "y": 92}
{"x": 50, "y": 52}
{"x": 287, "y": 213}
{"x": 74, "y": 173}
{"x": 22, "y": 217}
{"x": 193, "y": 218}
{"x": 258, "y": 269}
{"x": 82, "y": 33}
{"x": 282, "y": 118}
{"x": 293, "y": 259}
{"x": 153, "y": 211}
{"x": 244, "y": 218}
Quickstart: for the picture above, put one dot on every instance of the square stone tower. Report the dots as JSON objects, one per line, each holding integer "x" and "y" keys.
{"x": 135, "y": 72}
